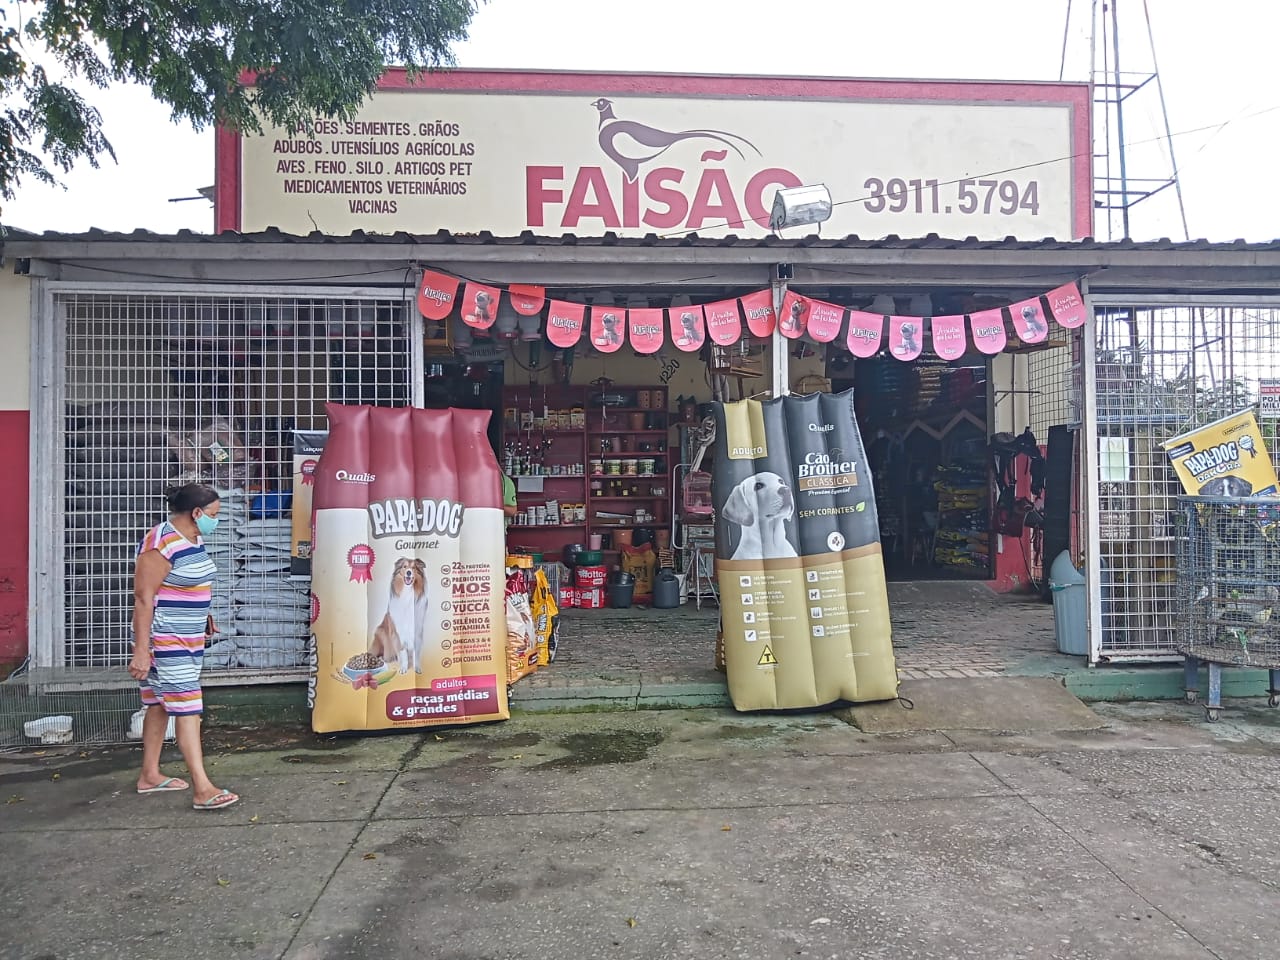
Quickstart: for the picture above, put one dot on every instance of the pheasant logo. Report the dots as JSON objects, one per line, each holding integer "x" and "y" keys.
{"x": 631, "y": 144}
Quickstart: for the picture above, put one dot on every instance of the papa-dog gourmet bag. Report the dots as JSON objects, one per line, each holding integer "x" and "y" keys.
{"x": 407, "y": 571}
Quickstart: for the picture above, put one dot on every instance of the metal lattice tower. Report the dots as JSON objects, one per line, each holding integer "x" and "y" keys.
{"x": 1133, "y": 146}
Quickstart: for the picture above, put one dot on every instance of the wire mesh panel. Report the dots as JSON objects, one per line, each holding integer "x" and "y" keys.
{"x": 1228, "y": 577}
{"x": 1161, "y": 371}
{"x": 162, "y": 390}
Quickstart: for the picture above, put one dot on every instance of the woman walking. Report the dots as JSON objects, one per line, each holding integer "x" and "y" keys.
{"x": 172, "y": 591}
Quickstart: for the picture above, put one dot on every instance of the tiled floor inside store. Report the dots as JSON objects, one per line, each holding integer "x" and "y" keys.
{"x": 940, "y": 629}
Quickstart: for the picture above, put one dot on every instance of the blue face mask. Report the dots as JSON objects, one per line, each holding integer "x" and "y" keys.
{"x": 206, "y": 524}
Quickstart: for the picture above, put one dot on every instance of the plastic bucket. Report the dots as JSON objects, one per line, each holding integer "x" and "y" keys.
{"x": 621, "y": 594}
{"x": 1070, "y": 606}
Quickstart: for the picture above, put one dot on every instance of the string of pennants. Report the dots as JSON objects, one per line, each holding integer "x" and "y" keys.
{"x": 689, "y": 327}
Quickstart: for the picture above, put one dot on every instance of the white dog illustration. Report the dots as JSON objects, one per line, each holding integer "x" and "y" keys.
{"x": 761, "y": 505}
{"x": 399, "y": 635}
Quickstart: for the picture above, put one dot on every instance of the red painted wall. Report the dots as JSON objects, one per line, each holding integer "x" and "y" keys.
{"x": 1011, "y": 573}
{"x": 14, "y": 535}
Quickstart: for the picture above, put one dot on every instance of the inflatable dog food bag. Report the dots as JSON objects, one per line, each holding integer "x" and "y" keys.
{"x": 407, "y": 571}
{"x": 804, "y": 609}
{"x": 1226, "y": 458}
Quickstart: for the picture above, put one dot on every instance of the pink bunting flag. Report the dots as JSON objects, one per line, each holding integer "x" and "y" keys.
{"x": 436, "y": 294}
{"x": 724, "y": 323}
{"x": 758, "y": 309}
{"x": 688, "y": 331}
{"x": 644, "y": 327}
{"x": 1029, "y": 321}
{"x": 608, "y": 328}
{"x": 825, "y": 320}
{"x": 1067, "y": 305}
{"x": 865, "y": 330}
{"x": 479, "y": 305}
{"x": 564, "y": 323}
{"x": 795, "y": 315}
{"x": 949, "y": 341}
{"x": 988, "y": 331}
{"x": 527, "y": 299}
{"x": 906, "y": 337}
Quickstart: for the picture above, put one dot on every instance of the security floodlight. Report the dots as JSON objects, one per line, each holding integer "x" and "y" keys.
{"x": 800, "y": 206}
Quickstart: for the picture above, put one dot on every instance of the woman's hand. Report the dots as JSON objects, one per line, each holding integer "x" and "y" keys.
{"x": 140, "y": 665}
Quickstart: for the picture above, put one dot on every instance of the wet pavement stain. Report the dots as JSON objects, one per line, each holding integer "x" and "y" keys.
{"x": 605, "y": 747}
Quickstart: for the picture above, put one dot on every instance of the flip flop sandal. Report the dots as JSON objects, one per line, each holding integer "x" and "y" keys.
{"x": 222, "y": 799}
{"x": 167, "y": 785}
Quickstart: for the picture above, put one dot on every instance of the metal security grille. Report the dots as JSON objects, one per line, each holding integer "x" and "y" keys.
{"x": 1160, "y": 371}
{"x": 162, "y": 390}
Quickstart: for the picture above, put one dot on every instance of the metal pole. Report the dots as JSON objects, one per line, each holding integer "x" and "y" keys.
{"x": 781, "y": 365}
{"x": 1092, "y": 478}
{"x": 1124, "y": 179}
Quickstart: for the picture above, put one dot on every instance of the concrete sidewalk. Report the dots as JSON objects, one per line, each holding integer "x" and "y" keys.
{"x": 675, "y": 834}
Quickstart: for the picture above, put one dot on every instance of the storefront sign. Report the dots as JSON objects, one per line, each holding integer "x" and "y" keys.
{"x": 1269, "y": 399}
{"x": 585, "y": 154}
{"x": 408, "y": 571}
{"x": 804, "y": 608}
{"x": 1227, "y": 458}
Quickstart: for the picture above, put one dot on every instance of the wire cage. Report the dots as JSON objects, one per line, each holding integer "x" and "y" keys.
{"x": 1228, "y": 557}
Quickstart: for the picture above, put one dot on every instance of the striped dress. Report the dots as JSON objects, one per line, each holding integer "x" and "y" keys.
{"x": 178, "y": 624}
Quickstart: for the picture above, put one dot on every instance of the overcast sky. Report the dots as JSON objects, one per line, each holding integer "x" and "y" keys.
{"x": 1217, "y": 65}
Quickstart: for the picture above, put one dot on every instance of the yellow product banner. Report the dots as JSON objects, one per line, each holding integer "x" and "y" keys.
{"x": 1226, "y": 458}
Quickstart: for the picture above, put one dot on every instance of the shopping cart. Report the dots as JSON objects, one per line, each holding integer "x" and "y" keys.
{"x": 1228, "y": 591}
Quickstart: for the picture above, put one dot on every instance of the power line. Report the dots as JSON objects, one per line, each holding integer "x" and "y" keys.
{"x": 1025, "y": 166}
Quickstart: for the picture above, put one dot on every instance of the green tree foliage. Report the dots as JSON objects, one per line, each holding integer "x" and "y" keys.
{"x": 309, "y": 58}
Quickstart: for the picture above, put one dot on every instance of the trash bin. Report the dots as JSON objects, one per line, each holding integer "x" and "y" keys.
{"x": 1070, "y": 606}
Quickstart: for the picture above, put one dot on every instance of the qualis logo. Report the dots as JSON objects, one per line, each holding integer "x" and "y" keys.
{"x": 637, "y": 190}
{"x": 345, "y": 477}
{"x": 992, "y": 331}
{"x": 436, "y": 295}
{"x": 646, "y": 330}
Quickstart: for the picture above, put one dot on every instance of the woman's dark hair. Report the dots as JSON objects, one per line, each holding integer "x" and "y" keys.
{"x": 190, "y": 496}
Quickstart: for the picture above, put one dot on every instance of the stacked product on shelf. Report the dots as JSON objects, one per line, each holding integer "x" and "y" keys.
{"x": 221, "y": 654}
{"x": 271, "y": 612}
{"x": 963, "y": 538}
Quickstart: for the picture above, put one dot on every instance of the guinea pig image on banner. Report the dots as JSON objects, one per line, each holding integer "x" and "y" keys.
{"x": 408, "y": 571}
{"x": 804, "y": 608}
